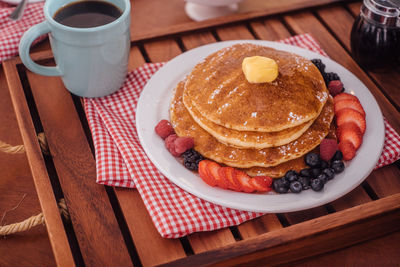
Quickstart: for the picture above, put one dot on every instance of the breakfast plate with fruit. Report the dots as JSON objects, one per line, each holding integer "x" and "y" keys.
{"x": 279, "y": 143}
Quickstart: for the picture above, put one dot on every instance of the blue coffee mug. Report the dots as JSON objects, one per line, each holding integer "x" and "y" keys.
{"x": 92, "y": 62}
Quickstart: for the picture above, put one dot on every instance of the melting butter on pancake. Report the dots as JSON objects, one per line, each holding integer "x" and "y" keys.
{"x": 211, "y": 148}
{"x": 247, "y": 139}
{"x": 219, "y": 91}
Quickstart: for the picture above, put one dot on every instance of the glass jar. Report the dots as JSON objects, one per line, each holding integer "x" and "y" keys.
{"x": 375, "y": 36}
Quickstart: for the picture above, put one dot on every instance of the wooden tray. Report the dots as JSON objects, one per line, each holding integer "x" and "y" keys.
{"x": 111, "y": 227}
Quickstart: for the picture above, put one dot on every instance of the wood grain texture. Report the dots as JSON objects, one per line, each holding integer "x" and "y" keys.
{"x": 309, "y": 238}
{"x": 150, "y": 246}
{"x": 16, "y": 181}
{"x": 48, "y": 203}
{"x": 271, "y": 30}
{"x": 156, "y": 20}
{"x": 95, "y": 225}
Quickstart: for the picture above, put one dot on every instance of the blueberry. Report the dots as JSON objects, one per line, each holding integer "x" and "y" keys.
{"x": 337, "y": 166}
{"x": 323, "y": 177}
{"x": 191, "y": 159}
{"x": 312, "y": 160}
{"x": 305, "y": 172}
{"x": 291, "y": 176}
{"x": 337, "y": 156}
{"x": 280, "y": 185}
{"x": 324, "y": 164}
{"x": 315, "y": 172}
{"x": 296, "y": 187}
{"x": 318, "y": 63}
{"x": 329, "y": 172}
{"x": 305, "y": 182}
{"x": 317, "y": 185}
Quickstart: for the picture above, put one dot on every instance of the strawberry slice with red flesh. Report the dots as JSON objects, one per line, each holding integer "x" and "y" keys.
{"x": 349, "y": 103}
{"x": 344, "y": 96}
{"x": 350, "y": 115}
{"x": 204, "y": 173}
{"x": 228, "y": 173}
{"x": 213, "y": 170}
{"x": 245, "y": 181}
{"x": 261, "y": 183}
{"x": 347, "y": 149}
{"x": 350, "y": 132}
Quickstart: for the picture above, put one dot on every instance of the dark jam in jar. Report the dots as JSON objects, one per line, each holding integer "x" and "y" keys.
{"x": 375, "y": 36}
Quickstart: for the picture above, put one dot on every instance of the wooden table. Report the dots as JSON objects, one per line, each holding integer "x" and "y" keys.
{"x": 110, "y": 226}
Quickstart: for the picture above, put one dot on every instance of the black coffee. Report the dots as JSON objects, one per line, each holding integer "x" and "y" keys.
{"x": 87, "y": 14}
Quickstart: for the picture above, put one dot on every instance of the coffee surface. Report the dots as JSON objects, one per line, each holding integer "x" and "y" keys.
{"x": 87, "y": 14}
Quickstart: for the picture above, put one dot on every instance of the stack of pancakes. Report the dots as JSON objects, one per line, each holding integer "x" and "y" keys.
{"x": 263, "y": 128}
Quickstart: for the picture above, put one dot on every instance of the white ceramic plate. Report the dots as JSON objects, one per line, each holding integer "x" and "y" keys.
{"x": 16, "y": 2}
{"x": 154, "y": 104}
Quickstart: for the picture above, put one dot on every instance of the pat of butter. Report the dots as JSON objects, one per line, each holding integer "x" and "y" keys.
{"x": 259, "y": 69}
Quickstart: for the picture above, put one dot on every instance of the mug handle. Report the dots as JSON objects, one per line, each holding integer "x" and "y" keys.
{"x": 25, "y": 44}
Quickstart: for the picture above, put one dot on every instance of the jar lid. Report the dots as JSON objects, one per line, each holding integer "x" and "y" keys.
{"x": 386, "y": 12}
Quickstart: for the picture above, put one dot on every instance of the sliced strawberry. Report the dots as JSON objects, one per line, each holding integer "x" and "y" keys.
{"x": 350, "y": 115}
{"x": 348, "y": 150}
{"x": 204, "y": 173}
{"x": 229, "y": 175}
{"x": 327, "y": 148}
{"x": 261, "y": 183}
{"x": 212, "y": 170}
{"x": 344, "y": 96}
{"x": 350, "y": 132}
{"x": 349, "y": 103}
{"x": 244, "y": 180}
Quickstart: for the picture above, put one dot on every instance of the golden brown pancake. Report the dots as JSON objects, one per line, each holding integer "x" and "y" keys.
{"x": 211, "y": 148}
{"x": 218, "y": 89}
{"x": 248, "y": 139}
{"x": 278, "y": 170}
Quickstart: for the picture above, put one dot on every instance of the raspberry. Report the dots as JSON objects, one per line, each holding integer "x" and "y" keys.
{"x": 183, "y": 143}
{"x": 164, "y": 129}
{"x": 170, "y": 144}
{"x": 327, "y": 149}
{"x": 335, "y": 87}
{"x": 330, "y": 76}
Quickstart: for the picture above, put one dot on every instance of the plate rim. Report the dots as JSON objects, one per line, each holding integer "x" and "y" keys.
{"x": 207, "y": 49}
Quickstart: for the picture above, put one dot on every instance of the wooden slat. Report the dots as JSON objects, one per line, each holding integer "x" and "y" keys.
{"x": 234, "y": 33}
{"x": 340, "y": 23}
{"x": 17, "y": 188}
{"x": 271, "y": 30}
{"x": 142, "y": 31}
{"x": 48, "y": 203}
{"x": 162, "y": 50}
{"x": 150, "y": 246}
{"x": 330, "y": 232}
{"x": 306, "y": 22}
{"x": 96, "y": 228}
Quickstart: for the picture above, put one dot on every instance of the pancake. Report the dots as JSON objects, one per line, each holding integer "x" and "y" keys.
{"x": 278, "y": 170}
{"x": 294, "y": 164}
{"x": 247, "y": 139}
{"x": 211, "y": 148}
{"x": 219, "y": 91}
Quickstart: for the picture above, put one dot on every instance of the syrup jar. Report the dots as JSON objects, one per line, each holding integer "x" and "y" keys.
{"x": 375, "y": 36}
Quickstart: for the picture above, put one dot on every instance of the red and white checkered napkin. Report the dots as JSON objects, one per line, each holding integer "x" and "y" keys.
{"x": 120, "y": 160}
{"x": 11, "y": 31}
